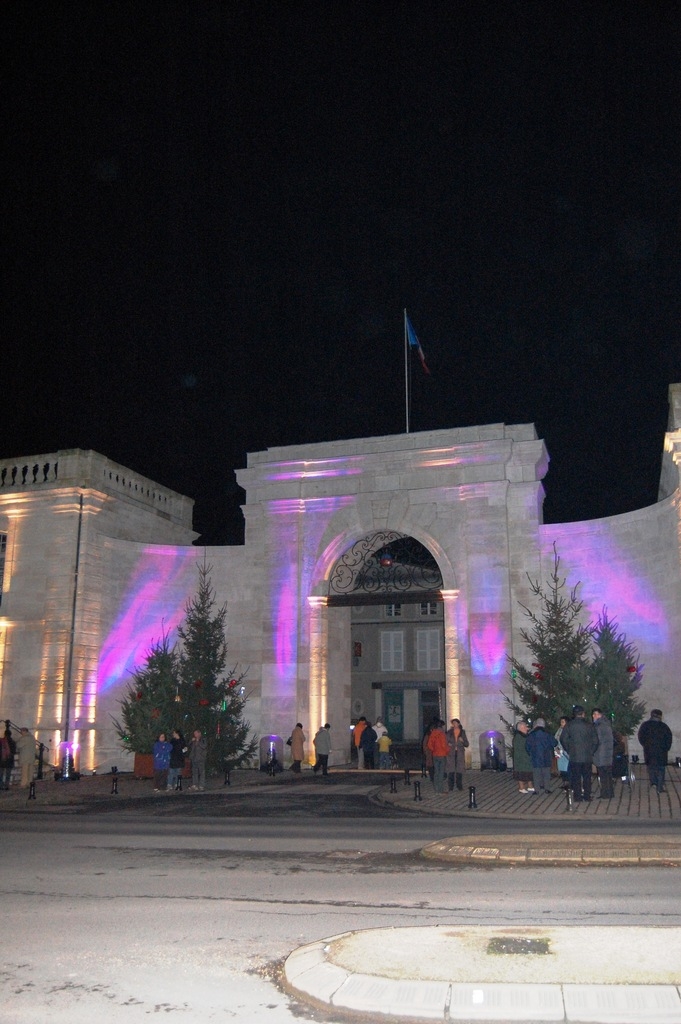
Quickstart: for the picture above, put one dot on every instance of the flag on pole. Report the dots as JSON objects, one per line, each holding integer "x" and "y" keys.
{"x": 415, "y": 343}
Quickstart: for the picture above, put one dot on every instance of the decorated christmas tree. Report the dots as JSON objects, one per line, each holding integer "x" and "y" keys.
{"x": 186, "y": 688}
{"x": 614, "y": 676}
{"x": 211, "y": 699}
{"x": 572, "y": 663}
{"x": 148, "y": 707}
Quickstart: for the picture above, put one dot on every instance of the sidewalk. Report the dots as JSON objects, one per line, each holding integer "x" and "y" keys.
{"x": 497, "y": 796}
{"x": 495, "y": 974}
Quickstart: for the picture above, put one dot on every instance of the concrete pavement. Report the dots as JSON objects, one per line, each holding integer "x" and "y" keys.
{"x": 475, "y": 974}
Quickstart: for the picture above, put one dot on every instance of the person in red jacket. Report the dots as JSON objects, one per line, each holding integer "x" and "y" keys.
{"x": 439, "y": 748}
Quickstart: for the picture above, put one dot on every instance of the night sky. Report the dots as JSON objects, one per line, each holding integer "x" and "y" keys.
{"x": 215, "y": 213}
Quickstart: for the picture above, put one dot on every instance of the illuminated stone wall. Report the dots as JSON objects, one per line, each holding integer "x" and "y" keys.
{"x": 472, "y": 496}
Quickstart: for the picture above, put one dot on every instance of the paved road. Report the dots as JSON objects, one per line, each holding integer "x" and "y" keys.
{"x": 128, "y": 913}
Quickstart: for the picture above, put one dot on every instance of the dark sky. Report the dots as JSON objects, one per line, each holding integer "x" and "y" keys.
{"x": 215, "y": 212}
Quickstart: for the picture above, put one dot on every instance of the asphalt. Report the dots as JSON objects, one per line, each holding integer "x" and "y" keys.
{"x": 468, "y": 973}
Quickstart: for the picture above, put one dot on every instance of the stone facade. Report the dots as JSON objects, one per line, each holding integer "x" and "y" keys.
{"x": 98, "y": 561}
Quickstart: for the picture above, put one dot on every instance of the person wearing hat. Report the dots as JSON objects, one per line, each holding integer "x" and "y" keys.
{"x": 540, "y": 745}
{"x": 580, "y": 740}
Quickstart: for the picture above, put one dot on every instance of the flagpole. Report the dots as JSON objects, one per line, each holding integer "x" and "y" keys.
{"x": 406, "y": 372}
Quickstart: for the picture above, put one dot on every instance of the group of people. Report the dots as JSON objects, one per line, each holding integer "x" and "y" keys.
{"x": 24, "y": 746}
{"x": 444, "y": 754}
{"x": 579, "y": 745}
{"x": 169, "y": 760}
{"x": 322, "y": 746}
{"x": 370, "y": 740}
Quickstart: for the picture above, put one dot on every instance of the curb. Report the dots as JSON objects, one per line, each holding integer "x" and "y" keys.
{"x": 557, "y": 851}
{"x": 311, "y": 973}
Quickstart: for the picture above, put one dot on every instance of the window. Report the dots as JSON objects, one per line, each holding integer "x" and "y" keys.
{"x": 3, "y": 550}
{"x": 393, "y": 611}
{"x": 392, "y": 650}
{"x": 428, "y": 643}
{"x": 428, "y": 607}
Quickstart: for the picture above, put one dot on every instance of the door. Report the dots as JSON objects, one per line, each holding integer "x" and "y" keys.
{"x": 393, "y": 714}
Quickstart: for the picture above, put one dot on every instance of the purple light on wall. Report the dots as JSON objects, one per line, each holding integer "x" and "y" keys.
{"x": 315, "y": 470}
{"x": 611, "y": 579}
{"x": 155, "y": 597}
{"x": 489, "y": 644}
{"x": 285, "y": 632}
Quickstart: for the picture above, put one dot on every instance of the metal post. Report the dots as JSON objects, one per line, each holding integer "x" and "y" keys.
{"x": 472, "y": 804}
{"x": 178, "y": 784}
{"x": 114, "y": 785}
{"x": 417, "y": 791}
{"x": 406, "y": 776}
{"x": 31, "y": 791}
{"x": 568, "y": 798}
{"x": 227, "y": 780}
{"x": 393, "y": 783}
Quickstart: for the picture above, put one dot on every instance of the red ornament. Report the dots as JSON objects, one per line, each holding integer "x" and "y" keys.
{"x": 139, "y": 695}
{"x": 198, "y": 684}
{"x": 631, "y": 668}
{"x": 155, "y": 713}
{"x": 232, "y": 683}
{"x": 204, "y": 703}
{"x": 538, "y": 675}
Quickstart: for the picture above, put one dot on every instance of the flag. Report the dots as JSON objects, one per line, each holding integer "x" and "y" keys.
{"x": 415, "y": 343}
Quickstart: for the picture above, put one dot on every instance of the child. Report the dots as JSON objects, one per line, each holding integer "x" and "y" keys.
{"x": 384, "y": 743}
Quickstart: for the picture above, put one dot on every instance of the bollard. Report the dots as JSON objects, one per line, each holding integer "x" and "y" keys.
{"x": 568, "y": 798}
{"x": 424, "y": 772}
{"x": 31, "y": 791}
{"x": 178, "y": 784}
{"x": 393, "y": 783}
{"x": 406, "y": 776}
{"x": 417, "y": 791}
{"x": 472, "y": 805}
{"x": 114, "y": 785}
{"x": 227, "y": 780}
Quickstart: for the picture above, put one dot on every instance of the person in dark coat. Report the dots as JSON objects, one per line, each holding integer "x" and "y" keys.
{"x": 367, "y": 743}
{"x": 656, "y": 739}
{"x": 8, "y": 749}
{"x": 540, "y": 745}
{"x": 161, "y": 752}
{"x": 179, "y": 749}
{"x": 456, "y": 757}
{"x": 522, "y": 762}
{"x": 603, "y": 755}
{"x": 579, "y": 739}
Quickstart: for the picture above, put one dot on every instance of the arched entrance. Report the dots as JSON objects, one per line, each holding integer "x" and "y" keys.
{"x": 393, "y": 587}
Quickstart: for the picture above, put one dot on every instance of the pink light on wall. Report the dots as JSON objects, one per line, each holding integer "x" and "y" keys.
{"x": 611, "y": 578}
{"x": 319, "y": 468}
{"x": 155, "y": 597}
{"x": 285, "y": 629}
{"x": 489, "y": 644}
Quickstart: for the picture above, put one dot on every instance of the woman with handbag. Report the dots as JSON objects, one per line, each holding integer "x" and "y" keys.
{"x": 296, "y": 742}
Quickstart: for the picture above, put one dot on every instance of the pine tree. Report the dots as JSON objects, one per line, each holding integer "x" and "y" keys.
{"x": 560, "y": 646}
{"x": 591, "y": 665}
{"x": 186, "y": 688}
{"x": 211, "y": 701}
{"x": 614, "y": 676}
{"x": 148, "y": 707}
